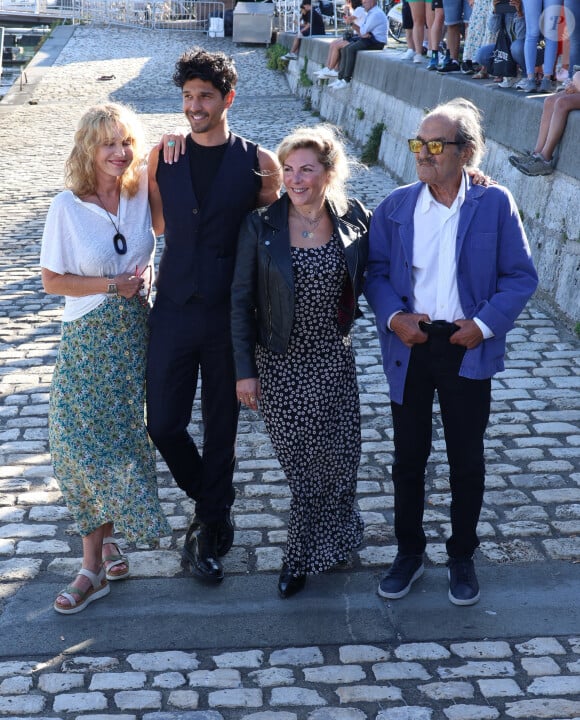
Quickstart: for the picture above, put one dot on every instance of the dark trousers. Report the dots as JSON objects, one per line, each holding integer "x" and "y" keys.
{"x": 184, "y": 341}
{"x": 465, "y": 406}
{"x": 348, "y": 55}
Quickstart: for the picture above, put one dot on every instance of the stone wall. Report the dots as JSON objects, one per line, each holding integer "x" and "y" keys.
{"x": 386, "y": 90}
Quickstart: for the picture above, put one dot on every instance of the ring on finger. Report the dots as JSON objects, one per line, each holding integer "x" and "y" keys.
{"x": 171, "y": 143}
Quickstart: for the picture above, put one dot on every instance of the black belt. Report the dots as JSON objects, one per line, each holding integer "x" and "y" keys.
{"x": 438, "y": 328}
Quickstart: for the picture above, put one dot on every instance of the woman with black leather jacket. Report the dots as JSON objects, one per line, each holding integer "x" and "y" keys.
{"x": 298, "y": 276}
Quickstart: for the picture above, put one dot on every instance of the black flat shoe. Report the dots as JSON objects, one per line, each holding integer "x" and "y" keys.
{"x": 200, "y": 554}
{"x": 289, "y": 584}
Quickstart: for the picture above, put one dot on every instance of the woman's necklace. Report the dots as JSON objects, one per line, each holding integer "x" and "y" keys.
{"x": 312, "y": 224}
{"x": 119, "y": 239}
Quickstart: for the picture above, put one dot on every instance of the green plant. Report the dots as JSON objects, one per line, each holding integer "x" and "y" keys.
{"x": 370, "y": 151}
{"x": 360, "y": 113}
{"x": 304, "y": 80}
{"x": 274, "y": 57}
{"x": 577, "y": 329}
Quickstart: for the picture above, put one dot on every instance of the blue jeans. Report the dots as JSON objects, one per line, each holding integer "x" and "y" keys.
{"x": 571, "y": 6}
{"x": 483, "y": 55}
{"x": 532, "y": 11}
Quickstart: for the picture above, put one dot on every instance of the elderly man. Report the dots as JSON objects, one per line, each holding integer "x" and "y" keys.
{"x": 372, "y": 36}
{"x": 449, "y": 272}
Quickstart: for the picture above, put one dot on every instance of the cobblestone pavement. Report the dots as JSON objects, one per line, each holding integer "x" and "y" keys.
{"x": 531, "y": 513}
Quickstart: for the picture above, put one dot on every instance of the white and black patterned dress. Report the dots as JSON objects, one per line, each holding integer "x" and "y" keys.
{"x": 311, "y": 409}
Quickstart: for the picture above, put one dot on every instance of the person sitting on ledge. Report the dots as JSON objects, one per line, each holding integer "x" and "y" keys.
{"x": 552, "y": 125}
{"x": 311, "y": 23}
{"x": 354, "y": 15}
{"x": 373, "y": 36}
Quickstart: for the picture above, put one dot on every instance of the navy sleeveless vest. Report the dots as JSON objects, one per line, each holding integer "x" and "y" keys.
{"x": 198, "y": 259}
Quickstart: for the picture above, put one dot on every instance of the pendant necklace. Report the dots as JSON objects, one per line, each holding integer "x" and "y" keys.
{"x": 313, "y": 224}
{"x": 119, "y": 239}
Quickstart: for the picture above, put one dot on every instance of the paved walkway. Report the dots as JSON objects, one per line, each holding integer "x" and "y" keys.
{"x": 161, "y": 646}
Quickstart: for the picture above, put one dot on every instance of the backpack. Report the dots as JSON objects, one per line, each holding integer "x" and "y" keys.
{"x": 501, "y": 63}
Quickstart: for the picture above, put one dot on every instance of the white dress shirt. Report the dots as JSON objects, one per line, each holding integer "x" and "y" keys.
{"x": 435, "y": 291}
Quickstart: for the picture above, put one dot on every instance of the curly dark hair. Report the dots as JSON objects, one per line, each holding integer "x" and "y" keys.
{"x": 214, "y": 67}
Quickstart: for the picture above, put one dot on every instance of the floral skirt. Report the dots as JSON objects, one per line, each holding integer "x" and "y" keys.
{"x": 103, "y": 459}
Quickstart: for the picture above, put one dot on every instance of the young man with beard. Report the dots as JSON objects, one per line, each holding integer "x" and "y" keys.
{"x": 206, "y": 192}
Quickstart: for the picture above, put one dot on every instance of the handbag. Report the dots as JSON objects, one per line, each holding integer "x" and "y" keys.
{"x": 501, "y": 62}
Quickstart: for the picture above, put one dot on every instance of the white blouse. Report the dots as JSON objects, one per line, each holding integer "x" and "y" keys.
{"x": 78, "y": 239}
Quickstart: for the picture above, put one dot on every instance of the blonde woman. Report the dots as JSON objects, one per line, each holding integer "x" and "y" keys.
{"x": 298, "y": 275}
{"x": 97, "y": 251}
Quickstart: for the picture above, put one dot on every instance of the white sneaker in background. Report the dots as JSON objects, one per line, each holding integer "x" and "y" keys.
{"x": 507, "y": 82}
{"x": 408, "y": 54}
{"x": 328, "y": 73}
{"x": 417, "y": 58}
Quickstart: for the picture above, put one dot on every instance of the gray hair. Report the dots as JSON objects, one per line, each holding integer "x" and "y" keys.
{"x": 468, "y": 128}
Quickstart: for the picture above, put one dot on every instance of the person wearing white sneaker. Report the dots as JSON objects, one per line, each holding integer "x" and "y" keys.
{"x": 442, "y": 326}
{"x": 372, "y": 36}
{"x": 311, "y": 23}
{"x": 409, "y": 54}
{"x": 555, "y": 113}
{"x": 354, "y": 15}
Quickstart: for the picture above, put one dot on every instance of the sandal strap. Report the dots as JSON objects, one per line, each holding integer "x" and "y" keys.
{"x": 95, "y": 578}
{"x": 110, "y": 541}
{"x": 75, "y": 595}
{"x": 115, "y": 560}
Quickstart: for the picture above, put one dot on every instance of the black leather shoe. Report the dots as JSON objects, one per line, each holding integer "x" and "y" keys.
{"x": 200, "y": 552}
{"x": 289, "y": 584}
{"x": 225, "y": 536}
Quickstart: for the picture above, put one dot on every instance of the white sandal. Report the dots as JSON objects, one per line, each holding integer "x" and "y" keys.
{"x": 79, "y": 599}
{"x": 110, "y": 562}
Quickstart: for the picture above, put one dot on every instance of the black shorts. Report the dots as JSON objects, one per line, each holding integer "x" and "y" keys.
{"x": 407, "y": 17}
{"x": 436, "y": 4}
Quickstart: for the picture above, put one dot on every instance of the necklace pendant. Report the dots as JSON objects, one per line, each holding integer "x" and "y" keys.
{"x": 307, "y": 235}
{"x": 120, "y": 243}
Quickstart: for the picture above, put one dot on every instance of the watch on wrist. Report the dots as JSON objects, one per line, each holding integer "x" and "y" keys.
{"x": 112, "y": 289}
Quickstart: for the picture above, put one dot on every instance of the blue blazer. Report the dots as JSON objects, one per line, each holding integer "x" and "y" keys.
{"x": 495, "y": 274}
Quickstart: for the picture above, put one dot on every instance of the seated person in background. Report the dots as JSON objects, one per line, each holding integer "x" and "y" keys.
{"x": 311, "y": 23}
{"x": 515, "y": 25}
{"x": 372, "y": 36}
{"x": 354, "y": 15}
{"x": 552, "y": 126}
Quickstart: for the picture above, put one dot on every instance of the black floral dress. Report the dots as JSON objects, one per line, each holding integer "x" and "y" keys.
{"x": 311, "y": 409}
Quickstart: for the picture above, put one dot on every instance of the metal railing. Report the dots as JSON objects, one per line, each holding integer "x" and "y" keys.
{"x": 190, "y": 15}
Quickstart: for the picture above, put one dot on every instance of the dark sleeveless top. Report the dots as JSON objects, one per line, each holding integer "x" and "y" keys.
{"x": 198, "y": 259}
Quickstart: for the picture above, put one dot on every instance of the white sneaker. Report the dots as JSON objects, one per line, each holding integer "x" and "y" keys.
{"x": 507, "y": 82}
{"x": 417, "y": 58}
{"x": 408, "y": 54}
{"x": 289, "y": 56}
{"x": 521, "y": 83}
{"x": 339, "y": 84}
{"x": 562, "y": 74}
